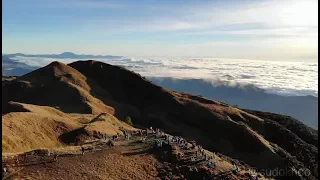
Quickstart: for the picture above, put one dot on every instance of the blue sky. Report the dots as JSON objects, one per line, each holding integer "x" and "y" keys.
{"x": 268, "y": 30}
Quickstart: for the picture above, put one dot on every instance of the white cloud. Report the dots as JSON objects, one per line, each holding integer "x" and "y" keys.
{"x": 289, "y": 78}
{"x": 270, "y": 30}
{"x": 272, "y": 17}
{"x": 93, "y": 4}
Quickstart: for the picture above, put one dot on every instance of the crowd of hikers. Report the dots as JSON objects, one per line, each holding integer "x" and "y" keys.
{"x": 160, "y": 138}
{"x": 200, "y": 152}
{"x": 183, "y": 144}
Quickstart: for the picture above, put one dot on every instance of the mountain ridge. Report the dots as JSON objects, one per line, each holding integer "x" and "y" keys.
{"x": 244, "y": 96}
{"x": 92, "y": 87}
{"x": 306, "y": 110}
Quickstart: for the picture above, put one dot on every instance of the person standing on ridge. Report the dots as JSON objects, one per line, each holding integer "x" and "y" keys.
{"x": 55, "y": 157}
{"x": 4, "y": 172}
{"x": 82, "y": 150}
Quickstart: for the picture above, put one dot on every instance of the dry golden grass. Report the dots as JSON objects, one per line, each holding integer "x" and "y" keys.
{"x": 63, "y": 72}
{"x": 42, "y": 126}
{"x": 23, "y": 131}
{"x": 221, "y": 110}
{"x": 95, "y": 104}
{"x": 108, "y": 125}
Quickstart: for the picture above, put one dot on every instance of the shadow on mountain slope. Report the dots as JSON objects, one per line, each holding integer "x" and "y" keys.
{"x": 248, "y": 97}
{"x": 95, "y": 87}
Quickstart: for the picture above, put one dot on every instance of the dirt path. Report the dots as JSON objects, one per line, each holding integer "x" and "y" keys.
{"x": 130, "y": 160}
{"x": 121, "y": 162}
{"x": 195, "y": 167}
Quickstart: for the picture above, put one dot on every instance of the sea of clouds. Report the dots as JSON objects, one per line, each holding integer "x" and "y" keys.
{"x": 279, "y": 77}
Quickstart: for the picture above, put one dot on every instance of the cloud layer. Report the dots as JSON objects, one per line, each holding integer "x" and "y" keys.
{"x": 280, "y": 77}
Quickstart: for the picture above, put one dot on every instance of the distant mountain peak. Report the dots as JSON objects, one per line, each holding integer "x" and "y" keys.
{"x": 68, "y": 54}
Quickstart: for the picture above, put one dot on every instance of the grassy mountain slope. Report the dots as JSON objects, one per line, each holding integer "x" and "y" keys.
{"x": 90, "y": 87}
